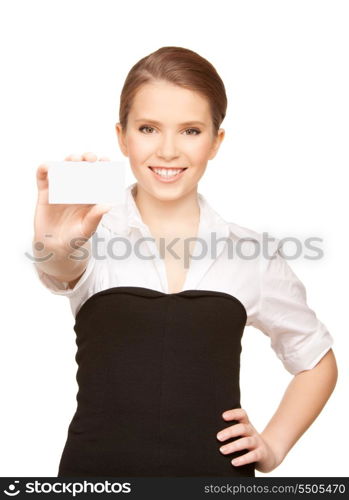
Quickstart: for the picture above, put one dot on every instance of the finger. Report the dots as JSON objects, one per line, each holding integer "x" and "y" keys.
{"x": 89, "y": 156}
{"x": 41, "y": 177}
{"x": 104, "y": 158}
{"x": 236, "y": 414}
{"x": 234, "y": 430}
{"x": 247, "y": 458}
{"x": 73, "y": 157}
{"x": 244, "y": 443}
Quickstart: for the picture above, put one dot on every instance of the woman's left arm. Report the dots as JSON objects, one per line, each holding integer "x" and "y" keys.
{"x": 304, "y": 398}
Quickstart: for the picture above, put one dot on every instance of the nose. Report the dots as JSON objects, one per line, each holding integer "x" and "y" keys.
{"x": 168, "y": 147}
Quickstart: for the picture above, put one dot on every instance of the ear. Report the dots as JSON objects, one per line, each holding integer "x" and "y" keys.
{"x": 121, "y": 138}
{"x": 216, "y": 143}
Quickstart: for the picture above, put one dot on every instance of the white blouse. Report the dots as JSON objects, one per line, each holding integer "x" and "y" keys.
{"x": 228, "y": 258}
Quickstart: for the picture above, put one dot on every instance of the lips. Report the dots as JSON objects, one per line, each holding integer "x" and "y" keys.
{"x": 167, "y": 178}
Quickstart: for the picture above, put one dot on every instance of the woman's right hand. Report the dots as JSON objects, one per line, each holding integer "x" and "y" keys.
{"x": 57, "y": 225}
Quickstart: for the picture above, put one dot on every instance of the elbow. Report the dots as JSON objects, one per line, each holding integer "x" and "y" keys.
{"x": 325, "y": 371}
{"x": 329, "y": 370}
{"x": 334, "y": 369}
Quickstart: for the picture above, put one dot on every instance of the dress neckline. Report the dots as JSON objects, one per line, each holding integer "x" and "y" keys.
{"x": 150, "y": 292}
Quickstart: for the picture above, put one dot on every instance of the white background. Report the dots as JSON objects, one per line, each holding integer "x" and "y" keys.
{"x": 281, "y": 168}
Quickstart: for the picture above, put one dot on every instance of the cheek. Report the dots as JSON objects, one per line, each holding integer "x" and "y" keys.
{"x": 200, "y": 150}
{"x": 139, "y": 148}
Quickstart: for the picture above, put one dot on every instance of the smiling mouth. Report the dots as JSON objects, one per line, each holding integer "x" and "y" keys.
{"x": 168, "y": 172}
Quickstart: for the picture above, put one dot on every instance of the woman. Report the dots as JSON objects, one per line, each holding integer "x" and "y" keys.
{"x": 159, "y": 327}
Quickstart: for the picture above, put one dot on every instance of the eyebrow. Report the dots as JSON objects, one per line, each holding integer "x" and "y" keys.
{"x": 193, "y": 122}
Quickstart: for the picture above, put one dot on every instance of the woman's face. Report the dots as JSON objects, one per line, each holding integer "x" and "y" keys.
{"x": 169, "y": 127}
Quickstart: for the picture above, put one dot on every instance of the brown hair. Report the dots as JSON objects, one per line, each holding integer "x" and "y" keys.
{"x": 182, "y": 67}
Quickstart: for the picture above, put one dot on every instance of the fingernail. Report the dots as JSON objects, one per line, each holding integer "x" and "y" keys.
{"x": 221, "y": 437}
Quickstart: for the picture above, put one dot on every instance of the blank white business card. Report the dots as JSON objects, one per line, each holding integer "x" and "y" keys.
{"x": 75, "y": 182}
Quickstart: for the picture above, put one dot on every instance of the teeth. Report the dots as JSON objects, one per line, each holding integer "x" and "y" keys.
{"x": 167, "y": 172}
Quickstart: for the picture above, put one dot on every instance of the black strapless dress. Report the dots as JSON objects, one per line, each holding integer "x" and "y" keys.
{"x": 155, "y": 373}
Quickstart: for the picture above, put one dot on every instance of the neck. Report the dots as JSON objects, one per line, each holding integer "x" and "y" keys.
{"x": 164, "y": 214}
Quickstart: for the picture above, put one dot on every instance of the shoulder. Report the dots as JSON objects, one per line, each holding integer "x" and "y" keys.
{"x": 260, "y": 244}
{"x": 238, "y": 231}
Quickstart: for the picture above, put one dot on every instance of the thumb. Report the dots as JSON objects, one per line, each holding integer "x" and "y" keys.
{"x": 93, "y": 217}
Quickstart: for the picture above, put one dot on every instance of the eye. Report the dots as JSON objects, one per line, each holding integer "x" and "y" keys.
{"x": 145, "y": 127}
{"x": 148, "y": 127}
{"x": 193, "y": 130}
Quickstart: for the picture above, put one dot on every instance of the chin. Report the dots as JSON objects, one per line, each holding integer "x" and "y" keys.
{"x": 163, "y": 193}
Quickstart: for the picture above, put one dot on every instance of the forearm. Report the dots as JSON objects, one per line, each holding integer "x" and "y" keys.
{"x": 302, "y": 402}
